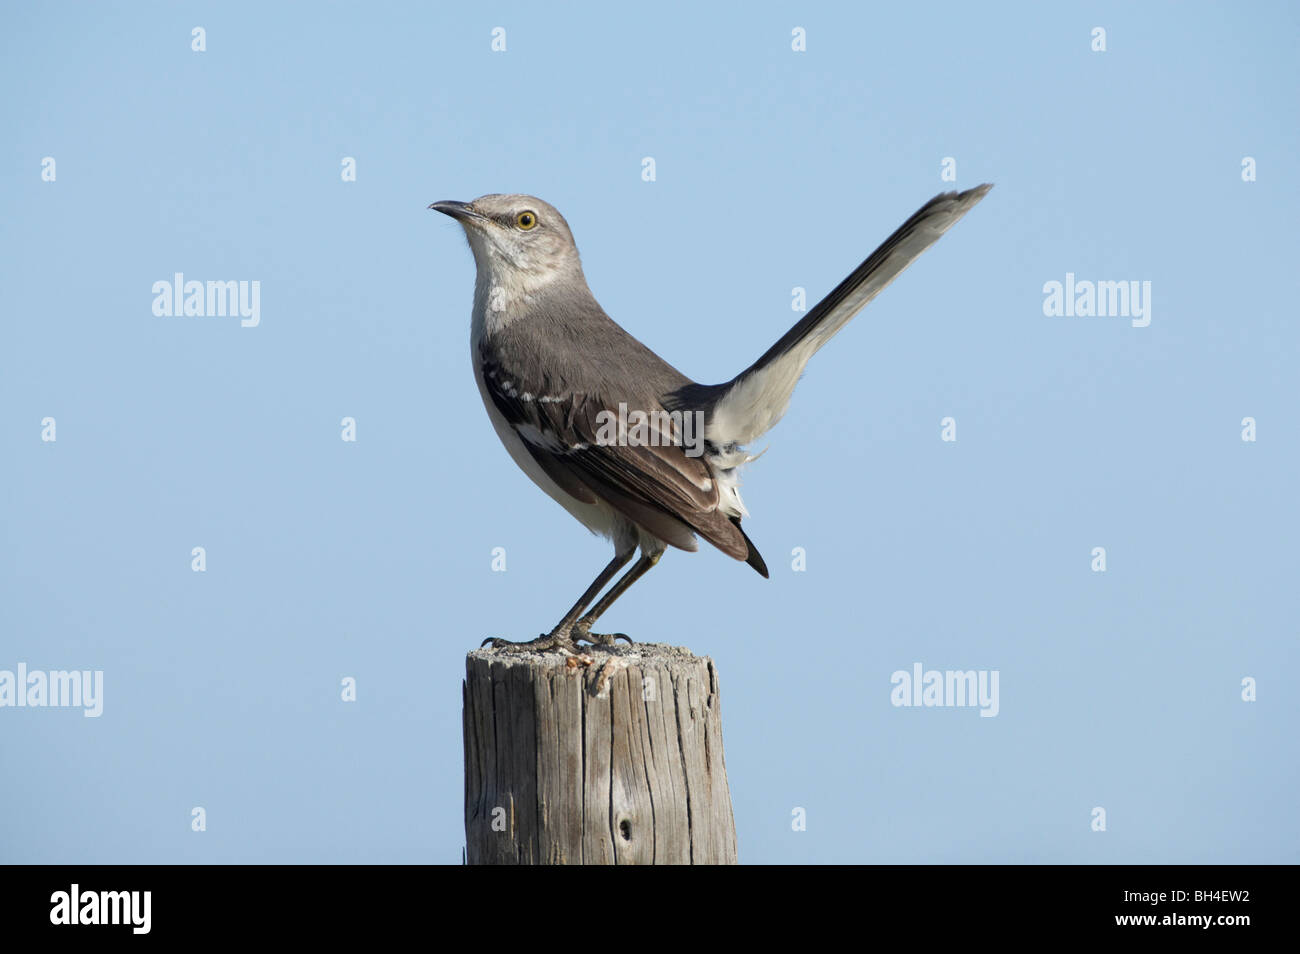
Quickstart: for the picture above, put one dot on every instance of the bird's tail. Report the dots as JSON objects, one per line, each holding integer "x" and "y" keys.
{"x": 753, "y": 401}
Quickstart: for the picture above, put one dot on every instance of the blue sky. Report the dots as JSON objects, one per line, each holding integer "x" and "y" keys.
{"x": 326, "y": 559}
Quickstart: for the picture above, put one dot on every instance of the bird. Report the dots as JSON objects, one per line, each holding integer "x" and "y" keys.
{"x": 631, "y": 447}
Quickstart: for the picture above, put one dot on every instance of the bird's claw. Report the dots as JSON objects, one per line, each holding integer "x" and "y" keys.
{"x": 567, "y": 642}
{"x": 605, "y": 639}
{"x": 543, "y": 643}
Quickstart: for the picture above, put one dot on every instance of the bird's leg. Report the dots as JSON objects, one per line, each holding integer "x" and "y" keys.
{"x": 582, "y": 629}
{"x": 559, "y": 637}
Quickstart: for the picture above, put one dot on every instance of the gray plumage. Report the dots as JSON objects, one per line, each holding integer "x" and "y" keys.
{"x": 549, "y": 361}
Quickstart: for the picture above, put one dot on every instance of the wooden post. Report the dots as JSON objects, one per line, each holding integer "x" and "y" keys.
{"x": 612, "y": 757}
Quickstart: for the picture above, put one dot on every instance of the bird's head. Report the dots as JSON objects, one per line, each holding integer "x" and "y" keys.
{"x": 516, "y": 238}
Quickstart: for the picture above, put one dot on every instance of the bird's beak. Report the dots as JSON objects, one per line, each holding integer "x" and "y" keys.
{"x": 462, "y": 211}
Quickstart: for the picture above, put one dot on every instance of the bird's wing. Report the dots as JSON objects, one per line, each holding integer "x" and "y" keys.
{"x": 574, "y": 437}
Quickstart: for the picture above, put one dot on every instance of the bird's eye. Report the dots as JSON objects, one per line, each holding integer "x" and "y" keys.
{"x": 526, "y": 220}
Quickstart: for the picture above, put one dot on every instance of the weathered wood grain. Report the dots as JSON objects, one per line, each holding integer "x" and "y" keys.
{"x": 615, "y": 761}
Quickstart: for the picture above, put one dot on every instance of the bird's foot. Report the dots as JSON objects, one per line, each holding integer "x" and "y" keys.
{"x": 560, "y": 640}
{"x": 581, "y": 631}
{"x": 547, "y": 642}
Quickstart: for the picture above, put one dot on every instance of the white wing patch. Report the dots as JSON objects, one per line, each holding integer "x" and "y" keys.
{"x": 546, "y": 440}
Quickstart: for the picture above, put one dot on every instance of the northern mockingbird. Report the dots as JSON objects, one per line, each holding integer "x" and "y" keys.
{"x": 629, "y": 445}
